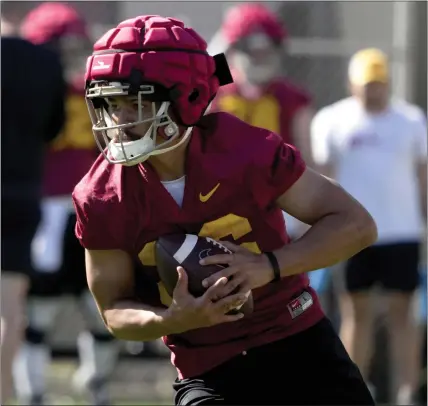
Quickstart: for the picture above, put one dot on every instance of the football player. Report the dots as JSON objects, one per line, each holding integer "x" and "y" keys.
{"x": 57, "y": 256}
{"x": 254, "y": 41}
{"x": 169, "y": 168}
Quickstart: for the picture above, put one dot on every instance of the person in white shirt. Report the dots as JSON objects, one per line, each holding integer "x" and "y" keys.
{"x": 375, "y": 146}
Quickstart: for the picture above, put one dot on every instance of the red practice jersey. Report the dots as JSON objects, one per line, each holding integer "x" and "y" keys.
{"x": 128, "y": 208}
{"x": 274, "y": 110}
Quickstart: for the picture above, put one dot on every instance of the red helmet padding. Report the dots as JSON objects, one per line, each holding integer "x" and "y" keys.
{"x": 50, "y": 21}
{"x": 165, "y": 52}
{"x": 248, "y": 18}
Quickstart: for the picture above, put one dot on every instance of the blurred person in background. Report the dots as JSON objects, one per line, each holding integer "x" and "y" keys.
{"x": 57, "y": 255}
{"x": 254, "y": 40}
{"x": 375, "y": 146}
{"x": 32, "y": 114}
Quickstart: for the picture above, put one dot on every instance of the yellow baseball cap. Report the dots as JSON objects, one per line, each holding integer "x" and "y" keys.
{"x": 368, "y": 65}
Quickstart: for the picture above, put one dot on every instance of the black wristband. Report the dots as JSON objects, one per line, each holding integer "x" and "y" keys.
{"x": 275, "y": 266}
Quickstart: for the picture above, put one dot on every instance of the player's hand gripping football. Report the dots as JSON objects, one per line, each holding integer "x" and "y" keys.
{"x": 246, "y": 269}
{"x": 188, "y": 313}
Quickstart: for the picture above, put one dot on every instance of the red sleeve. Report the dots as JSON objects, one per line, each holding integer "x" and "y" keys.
{"x": 277, "y": 166}
{"x": 97, "y": 227}
{"x": 103, "y": 222}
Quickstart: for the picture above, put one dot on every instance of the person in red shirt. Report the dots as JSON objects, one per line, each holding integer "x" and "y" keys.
{"x": 58, "y": 258}
{"x": 255, "y": 40}
{"x": 167, "y": 167}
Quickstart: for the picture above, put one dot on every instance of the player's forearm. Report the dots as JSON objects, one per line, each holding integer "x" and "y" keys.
{"x": 133, "y": 321}
{"x": 334, "y": 238}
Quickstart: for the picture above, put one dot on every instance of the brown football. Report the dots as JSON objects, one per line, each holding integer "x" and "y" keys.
{"x": 187, "y": 250}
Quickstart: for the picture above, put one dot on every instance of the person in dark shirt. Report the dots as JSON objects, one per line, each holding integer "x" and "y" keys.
{"x": 32, "y": 114}
{"x": 58, "y": 260}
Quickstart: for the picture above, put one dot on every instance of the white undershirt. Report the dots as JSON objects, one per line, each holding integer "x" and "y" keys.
{"x": 176, "y": 189}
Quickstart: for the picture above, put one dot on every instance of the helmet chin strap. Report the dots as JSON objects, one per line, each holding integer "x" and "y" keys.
{"x": 183, "y": 139}
{"x": 142, "y": 158}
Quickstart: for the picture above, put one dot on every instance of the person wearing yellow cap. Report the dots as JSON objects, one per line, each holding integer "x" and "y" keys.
{"x": 375, "y": 146}
{"x": 369, "y": 78}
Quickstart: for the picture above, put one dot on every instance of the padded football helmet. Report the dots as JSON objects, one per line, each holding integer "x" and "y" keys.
{"x": 255, "y": 35}
{"x": 249, "y": 18}
{"x": 156, "y": 60}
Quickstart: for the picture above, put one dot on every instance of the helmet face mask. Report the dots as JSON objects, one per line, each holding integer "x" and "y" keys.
{"x": 145, "y": 129}
{"x": 257, "y": 57}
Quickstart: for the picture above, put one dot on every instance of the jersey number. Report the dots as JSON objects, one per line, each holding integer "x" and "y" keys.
{"x": 230, "y": 224}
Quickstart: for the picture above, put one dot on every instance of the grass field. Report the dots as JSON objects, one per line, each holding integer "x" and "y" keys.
{"x": 135, "y": 382}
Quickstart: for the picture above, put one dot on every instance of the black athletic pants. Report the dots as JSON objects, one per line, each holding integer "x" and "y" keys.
{"x": 309, "y": 368}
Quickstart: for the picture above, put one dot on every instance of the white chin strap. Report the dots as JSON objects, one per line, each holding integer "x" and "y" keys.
{"x": 134, "y": 152}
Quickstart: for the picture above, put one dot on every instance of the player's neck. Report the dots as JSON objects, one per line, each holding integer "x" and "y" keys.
{"x": 170, "y": 165}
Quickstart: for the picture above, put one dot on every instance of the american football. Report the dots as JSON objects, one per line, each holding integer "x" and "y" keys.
{"x": 187, "y": 250}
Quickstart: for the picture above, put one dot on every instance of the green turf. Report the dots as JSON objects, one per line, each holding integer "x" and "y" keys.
{"x": 135, "y": 382}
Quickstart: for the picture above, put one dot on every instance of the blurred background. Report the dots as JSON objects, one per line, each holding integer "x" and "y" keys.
{"x": 322, "y": 36}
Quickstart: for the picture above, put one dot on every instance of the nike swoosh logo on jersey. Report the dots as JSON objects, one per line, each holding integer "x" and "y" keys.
{"x": 205, "y": 198}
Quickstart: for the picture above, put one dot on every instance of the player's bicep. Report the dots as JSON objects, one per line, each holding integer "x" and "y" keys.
{"x": 110, "y": 276}
{"x": 314, "y": 196}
